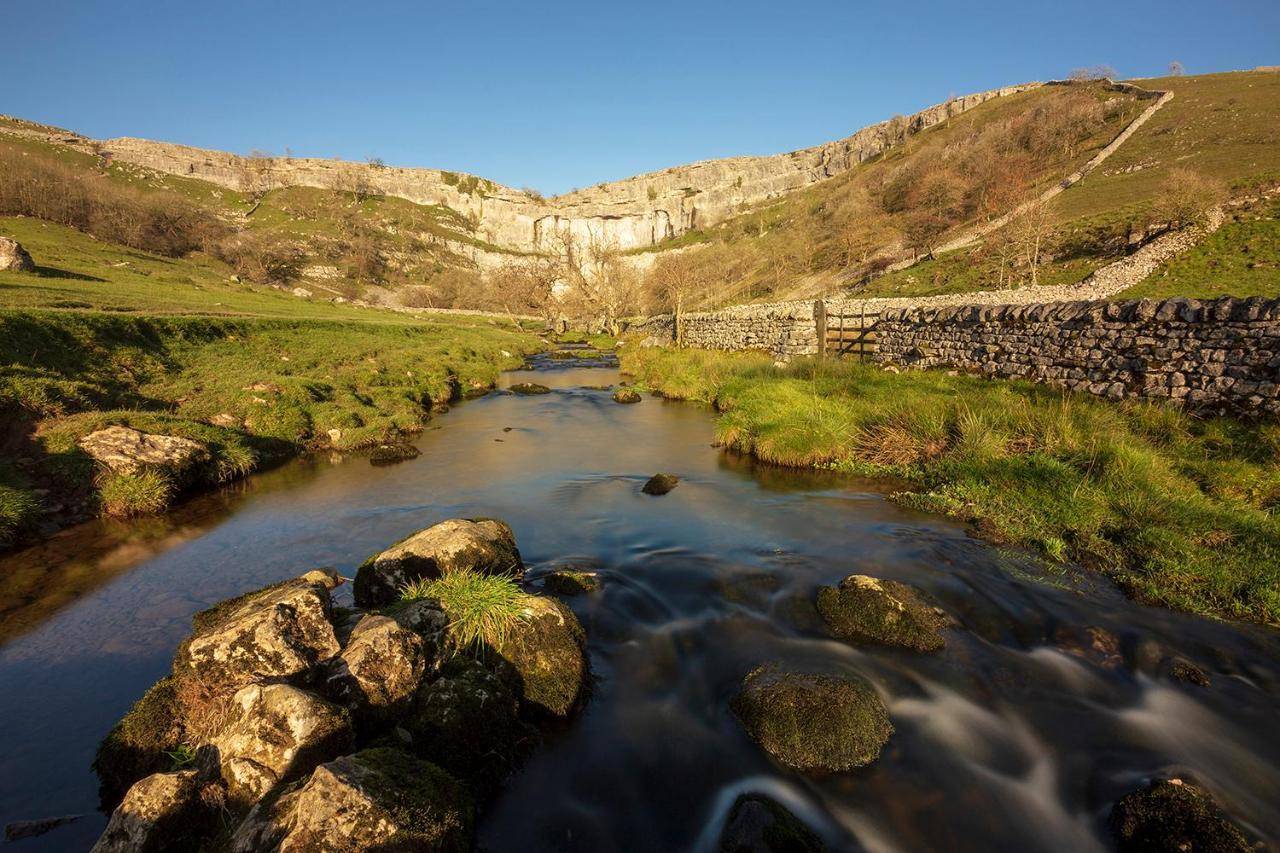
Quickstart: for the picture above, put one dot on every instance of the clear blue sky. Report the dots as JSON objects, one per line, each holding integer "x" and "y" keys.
{"x": 555, "y": 95}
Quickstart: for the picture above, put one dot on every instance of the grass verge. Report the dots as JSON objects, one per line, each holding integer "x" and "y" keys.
{"x": 1179, "y": 511}
{"x": 252, "y": 389}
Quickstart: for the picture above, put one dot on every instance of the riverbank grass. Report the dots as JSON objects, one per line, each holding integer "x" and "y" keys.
{"x": 1178, "y": 510}
{"x": 253, "y": 390}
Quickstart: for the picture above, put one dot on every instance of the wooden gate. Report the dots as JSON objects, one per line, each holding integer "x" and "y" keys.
{"x": 843, "y": 331}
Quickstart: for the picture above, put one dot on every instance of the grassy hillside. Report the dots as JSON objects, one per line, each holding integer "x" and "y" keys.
{"x": 1220, "y": 132}
{"x": 1179, "y": 511}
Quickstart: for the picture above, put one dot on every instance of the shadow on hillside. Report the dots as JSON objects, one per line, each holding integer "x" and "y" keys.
{"x": 54, "y": 272}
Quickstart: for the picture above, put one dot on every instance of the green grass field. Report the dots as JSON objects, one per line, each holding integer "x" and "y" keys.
{"x": 1179, "y": 511}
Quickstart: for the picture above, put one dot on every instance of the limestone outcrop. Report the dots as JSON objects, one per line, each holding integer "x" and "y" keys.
{"x": 14, "y": 258}
{"x": 130, "y": 451}
{"x": 639, "y": 211}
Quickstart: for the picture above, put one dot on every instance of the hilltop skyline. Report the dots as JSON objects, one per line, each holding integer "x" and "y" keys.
{"x": 464, "y": 90}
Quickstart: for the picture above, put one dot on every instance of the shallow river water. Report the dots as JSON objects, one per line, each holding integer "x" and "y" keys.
{"x": 1046, "y": 705}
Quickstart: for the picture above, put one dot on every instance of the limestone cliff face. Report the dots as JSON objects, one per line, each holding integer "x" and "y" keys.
{"x": 636, "y": 212}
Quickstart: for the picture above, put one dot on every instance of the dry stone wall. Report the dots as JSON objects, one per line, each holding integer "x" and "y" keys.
{"x": 1219, "y": 354}
{"x": 784, "y": 329}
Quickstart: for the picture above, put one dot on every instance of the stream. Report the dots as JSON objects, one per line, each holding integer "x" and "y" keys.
{"x": 1046, "y": 705}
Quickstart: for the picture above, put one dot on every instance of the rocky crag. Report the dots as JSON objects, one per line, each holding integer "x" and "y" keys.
{"x": 633, "y": 213}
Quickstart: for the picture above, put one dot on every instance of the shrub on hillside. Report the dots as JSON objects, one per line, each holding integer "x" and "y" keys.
{"x": 1186, "y": 197}
{"x": 96, "y": 204}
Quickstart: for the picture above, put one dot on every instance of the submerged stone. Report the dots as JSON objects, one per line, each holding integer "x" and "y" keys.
{"x": 660, "y": 484}
{"x": 377, "y": 799}
{"x": 872, "y": 610}
{"x": 1170, "y": 814}
{"x": 486, "y": 546}
{"x": 812, "y": 721}
{"x": 569, "y": 582}
{"x": 626, "y": 395}
{"x": 1184, "y": 670}
{"x": 390, "y": 454}
{"x": 529, "y": 388}
{"x": 760, "y": 824}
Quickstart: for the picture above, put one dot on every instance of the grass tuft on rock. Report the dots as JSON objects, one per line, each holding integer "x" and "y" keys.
{"x": 1180, "y": 510}
{"x": 124, "y": 495}
{"x": 483, "y": 610}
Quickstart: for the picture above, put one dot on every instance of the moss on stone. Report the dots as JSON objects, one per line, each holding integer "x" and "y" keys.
{"x": 548, "y": 653}
{"x": 529, "y": 388}
{"x": 430, "y": 808}
{"x": 389, "y": 454}
{"x": 760, "y": 824}
{"x": 660, "y": 484}
{"x": 1170, "y": 814}
{"x": 139, "y": 744}
{"x": 466, "y": 721}
{"x": 626, "y": 395}
{"x": 569, "y": 582}
{"x": 871, "y": 610}
{"x": 811, "y": 721}
{"x": 1184, "y": 670}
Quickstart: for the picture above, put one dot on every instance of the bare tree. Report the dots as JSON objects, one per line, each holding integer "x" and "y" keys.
{"x": 257, "y": 177}
{"x": 1031, "y": 228}
{"x": 1093, "y": 72}
{"x": 676, "y": 280}
{"x": 1186, "y": 197}
{"x": 598, "y": 283}
{"x": 1176, "y": 69}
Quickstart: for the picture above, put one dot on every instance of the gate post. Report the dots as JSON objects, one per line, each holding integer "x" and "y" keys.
{"x": 820, "y": 326}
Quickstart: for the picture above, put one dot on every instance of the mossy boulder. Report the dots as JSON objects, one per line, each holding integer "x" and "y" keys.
{"x": 377, "y": 799}
{"x": 884, "y": 612}
{"x": 1171, "y": 814}
{"x": 548, "y": 652}
{"x": 813, "y": 721}
{"x": 276, "y": 733}
{"x": 1183, "y": 670}
{"x": 277, "y": 633}
{"x": 760, "y": 824}
{"x": 571, "y": 582}
{"x": 660, "y": 484}
{"x": 626, "y": 395}
{"x": 139, "y": 744}
{"x": 466, "y": 722}
{"x": 390, "y": 454}
{"x": 380, "y": 668}
{"x": 526, "y": 388}
{"x": 483, "y": 545}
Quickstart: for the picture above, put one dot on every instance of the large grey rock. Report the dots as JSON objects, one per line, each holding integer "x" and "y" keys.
{"x": 14, "y": 258}
{"x": 378, "y": 799}
{"x": 280, "y": 632}
{"x": 486, "y": 546}
{"x": 813, "y": 721}
{"x": 129, "y": 451}
{"x": 160, "y": 812}
{"x": 277, "y": 733}
{"x": 381, "y": 667}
